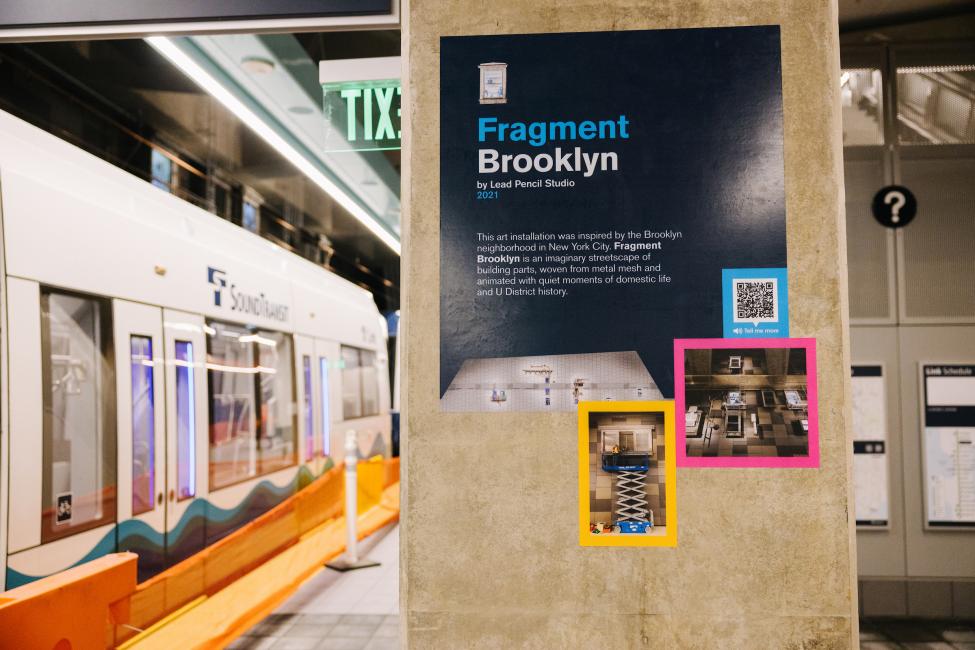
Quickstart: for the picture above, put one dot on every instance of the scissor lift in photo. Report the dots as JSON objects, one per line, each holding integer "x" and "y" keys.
{"x": 625, "y": 453}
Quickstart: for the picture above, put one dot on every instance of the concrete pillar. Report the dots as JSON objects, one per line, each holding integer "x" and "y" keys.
{"x": 489, "y": 543}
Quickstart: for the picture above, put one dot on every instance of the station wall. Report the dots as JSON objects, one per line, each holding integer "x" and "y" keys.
{"x": 911, "y": 294}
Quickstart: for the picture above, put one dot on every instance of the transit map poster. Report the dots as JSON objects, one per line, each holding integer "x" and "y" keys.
{"x": 871, "y": 503}
{"x": 595, "y": 187}
{"x": 949, "y": 445}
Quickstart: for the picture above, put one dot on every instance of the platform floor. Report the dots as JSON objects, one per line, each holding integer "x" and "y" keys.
{"x": 913, "y": 634}
{"x": 357, "y": 610}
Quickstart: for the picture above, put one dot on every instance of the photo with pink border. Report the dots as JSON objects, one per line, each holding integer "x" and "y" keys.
{"x": 812, "y": 402}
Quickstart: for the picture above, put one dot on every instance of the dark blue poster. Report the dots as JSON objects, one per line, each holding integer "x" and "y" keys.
{"x": 595, "y": 189}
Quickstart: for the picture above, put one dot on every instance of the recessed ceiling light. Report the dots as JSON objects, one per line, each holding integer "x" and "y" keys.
{"x": 301, "y": 110}
{"x": 257, "y": 65}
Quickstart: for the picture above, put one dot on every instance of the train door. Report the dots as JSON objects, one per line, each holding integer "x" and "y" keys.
{"x": 326, "y": 369}
{"x": 141, "y": 433}
{"x": 63, "y": 484}
{"x": 310, "y": 443}
{"x": 186, "y": 434}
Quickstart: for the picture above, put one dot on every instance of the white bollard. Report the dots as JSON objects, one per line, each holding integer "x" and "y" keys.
{"x": 351, "y": 496}
{"x": 351, "y": 558}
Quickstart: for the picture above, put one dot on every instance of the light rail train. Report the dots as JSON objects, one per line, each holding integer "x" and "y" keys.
{"x": 165, "y": 376}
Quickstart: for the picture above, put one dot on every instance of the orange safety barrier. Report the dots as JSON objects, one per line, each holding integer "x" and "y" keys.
{"x": 70, "y": 610}
{"x": 220, "y": 564}
{"x": 213, "y": 623}
{"x": 85, "y": 607}
{"x": 392, "y": 472}
{"x": 370, "y": 477}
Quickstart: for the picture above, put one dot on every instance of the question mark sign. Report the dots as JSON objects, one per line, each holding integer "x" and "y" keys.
{"x": 896, "y": 200}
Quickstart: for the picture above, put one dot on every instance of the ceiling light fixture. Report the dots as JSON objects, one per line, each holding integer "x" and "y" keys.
{"x": 257, "y": 65}
{"x": 208, "y": 83}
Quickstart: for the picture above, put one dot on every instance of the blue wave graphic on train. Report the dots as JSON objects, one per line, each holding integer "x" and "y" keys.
{"x": 201, "y": 525}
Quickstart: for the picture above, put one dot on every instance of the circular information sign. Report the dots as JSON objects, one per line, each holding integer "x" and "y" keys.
{"x": 894, "y": 206}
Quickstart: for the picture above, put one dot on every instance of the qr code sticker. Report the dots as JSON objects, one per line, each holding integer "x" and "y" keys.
{"x": 756, "y": 300}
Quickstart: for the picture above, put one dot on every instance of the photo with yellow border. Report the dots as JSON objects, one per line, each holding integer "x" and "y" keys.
{"x": 627, "y": 474}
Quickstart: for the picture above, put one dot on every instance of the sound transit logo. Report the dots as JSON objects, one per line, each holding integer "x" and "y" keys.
{"x": 218, "y": 279}
{"x": 254, "y": 304}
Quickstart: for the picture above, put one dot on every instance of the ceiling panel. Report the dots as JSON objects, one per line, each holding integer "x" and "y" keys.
{"x": 867, "y": 13}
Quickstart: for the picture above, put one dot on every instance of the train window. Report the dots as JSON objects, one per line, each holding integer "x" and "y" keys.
{"x": 326, "y": 417}
{"x": 79, "y": 446}
{"x": 360, "y": 383}
{"x": 185, "y": 421}
{"x": 233, "y": 428}
{"x": 252, "y": 409}
{"x": 370, "y": 382}
{"x": 276, "y": 440}
{"x": 308, "y": 410}
{"x": 351, "y": 384}
{"x": 143, "y": 424}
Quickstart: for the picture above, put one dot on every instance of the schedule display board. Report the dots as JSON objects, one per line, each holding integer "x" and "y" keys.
{"x": 949, "y": 445}
{"x": 870, "y": 486}
{"x": 593, "y": 189}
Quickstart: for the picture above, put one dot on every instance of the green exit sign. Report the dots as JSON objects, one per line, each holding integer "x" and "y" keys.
{"x": 362, "y": 115}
